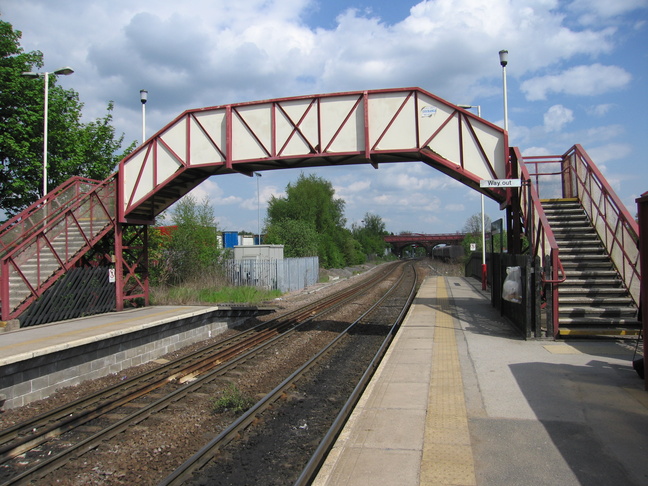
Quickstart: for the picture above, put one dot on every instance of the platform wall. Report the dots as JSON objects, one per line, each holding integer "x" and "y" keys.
{"x": 36, "y": 378}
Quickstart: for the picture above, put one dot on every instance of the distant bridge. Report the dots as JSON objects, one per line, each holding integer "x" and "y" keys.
{"x": 398, "y": 242}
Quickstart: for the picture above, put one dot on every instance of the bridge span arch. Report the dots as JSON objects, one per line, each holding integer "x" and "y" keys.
{"x": 399, "y": 242}
{"x": 362, "y": 127}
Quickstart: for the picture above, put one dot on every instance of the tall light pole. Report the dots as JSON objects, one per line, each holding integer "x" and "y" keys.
{"x": 503, "y": 55}
{"x": 483, "y": 217}
{"x": 258, "y": 176}
{"x": 63, "y": 71}
{"x": 143, "y": 99}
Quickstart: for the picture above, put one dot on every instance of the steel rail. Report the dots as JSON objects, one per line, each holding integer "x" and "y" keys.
{"x": 26, "y": 435}
{"x": 214, "y": 370}
{"x": 317, "y": 459}
{"x": 205, "y": 455}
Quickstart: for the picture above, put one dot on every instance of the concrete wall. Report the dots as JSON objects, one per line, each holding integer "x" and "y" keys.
{"x": 33, "y": 379}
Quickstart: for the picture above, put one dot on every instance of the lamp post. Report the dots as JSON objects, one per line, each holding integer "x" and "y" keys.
{"x": 503, "y": 55}
{"x": 63, "y": 71}
{"x": 143, "y": 99}
{"x": 258, "y": 176}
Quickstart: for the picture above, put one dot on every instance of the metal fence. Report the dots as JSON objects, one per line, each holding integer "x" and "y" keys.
{"x": 286, "y": 275}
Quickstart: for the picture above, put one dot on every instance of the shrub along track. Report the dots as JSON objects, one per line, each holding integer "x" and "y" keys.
{"x": 133, "y": 455}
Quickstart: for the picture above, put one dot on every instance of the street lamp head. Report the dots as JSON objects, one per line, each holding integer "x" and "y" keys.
{"x": 64, "y": 71}
{"x": 503, "y": 55}
{"x": 143, "y": 96}
{"x": 30, "y": 74}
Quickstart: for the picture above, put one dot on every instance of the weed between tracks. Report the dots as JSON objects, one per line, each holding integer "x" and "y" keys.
{"x": 232, "y": 400}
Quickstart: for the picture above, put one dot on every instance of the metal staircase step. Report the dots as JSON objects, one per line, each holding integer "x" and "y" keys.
{"x": 592, "y": 292}
{"x": 607, "y": 312}
{"x": 595, "y": 302}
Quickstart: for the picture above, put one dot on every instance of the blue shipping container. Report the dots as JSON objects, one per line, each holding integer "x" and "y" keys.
{"x": 230, "y": 239}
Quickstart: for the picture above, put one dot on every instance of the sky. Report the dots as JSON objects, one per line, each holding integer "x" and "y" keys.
{"x": 577, "y": 73}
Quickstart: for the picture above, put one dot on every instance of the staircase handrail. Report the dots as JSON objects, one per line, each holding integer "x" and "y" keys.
{"x": 616, "y": 227}
{"x": 576, "y": 176}
{"x": 541, "y": 238}
{"x": 32, "y": 218}
{"x": 9, "y": 313}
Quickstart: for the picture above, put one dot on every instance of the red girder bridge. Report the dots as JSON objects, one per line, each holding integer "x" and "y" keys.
{"x": 398, "y": 242}
{"x": 104, "y": 224}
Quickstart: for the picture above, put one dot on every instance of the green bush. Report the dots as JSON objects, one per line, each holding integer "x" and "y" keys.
{"x": 231, "y": 399}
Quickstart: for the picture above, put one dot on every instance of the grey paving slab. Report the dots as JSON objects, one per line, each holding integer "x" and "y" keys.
{"x": 538, "y": 412}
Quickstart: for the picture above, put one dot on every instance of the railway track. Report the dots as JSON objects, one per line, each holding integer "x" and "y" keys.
{"x": 322, "y": 372}
{"x": 31, "y": 450}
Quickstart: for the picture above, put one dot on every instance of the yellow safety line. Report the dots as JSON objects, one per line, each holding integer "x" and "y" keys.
{"x": 447, "y": 453}
{"x": 86, "y": 329}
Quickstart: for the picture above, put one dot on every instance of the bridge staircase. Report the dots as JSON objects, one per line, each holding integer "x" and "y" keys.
{"x": 586, "y": 241}
{"x": 593, "y": 299}
{"x": 42, "y": 243}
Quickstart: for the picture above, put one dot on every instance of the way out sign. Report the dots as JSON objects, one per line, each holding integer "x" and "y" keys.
{"x": 500, "y": 183}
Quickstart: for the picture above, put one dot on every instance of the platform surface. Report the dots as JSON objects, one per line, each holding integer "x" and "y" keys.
{"x": 30, "y": 342}
{"x": 462, "y": 399}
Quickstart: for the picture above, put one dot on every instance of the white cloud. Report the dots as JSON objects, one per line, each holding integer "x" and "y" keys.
{"x": 557, "y": 117}
{"x": 454, "y": 207}
{"x": 600, "y": 110}
{"x": 579, "y": 80}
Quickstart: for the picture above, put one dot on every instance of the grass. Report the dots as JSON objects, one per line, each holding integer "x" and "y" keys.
{"x": 209, "y": 290}
{"x": 189, "y": 294}
{"x": 231, "y": 399}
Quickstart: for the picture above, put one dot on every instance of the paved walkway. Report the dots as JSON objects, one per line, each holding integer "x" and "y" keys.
{"x": 461, "y": 400}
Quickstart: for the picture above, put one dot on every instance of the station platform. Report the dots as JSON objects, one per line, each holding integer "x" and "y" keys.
{"x": 36, "y": 361}
{"x": 462, "y": 399}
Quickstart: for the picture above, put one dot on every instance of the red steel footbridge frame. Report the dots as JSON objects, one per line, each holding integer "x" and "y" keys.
{"x": 69, "y": 227}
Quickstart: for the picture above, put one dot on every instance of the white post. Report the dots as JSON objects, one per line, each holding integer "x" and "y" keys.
{"x": 503, "y": 54}
{"x": 258, "y": 207}
{"x": 45, "y": 116}
{"x": 143, "y": 98}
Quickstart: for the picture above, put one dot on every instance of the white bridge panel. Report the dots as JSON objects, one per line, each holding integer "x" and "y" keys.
{"x": 208, "y": 138}
{"x": 176, "y": 139}
{"x": 339, "y": 135}
{"x": 297, "y": 127}
{"x": 252, "y": 132}
{"x": 389, "y": 128}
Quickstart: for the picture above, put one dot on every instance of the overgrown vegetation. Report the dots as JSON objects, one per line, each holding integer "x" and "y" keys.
{"x": 189, "y": 249}
{"x": 233, "y": 400}
{"x": 209, "y": 290}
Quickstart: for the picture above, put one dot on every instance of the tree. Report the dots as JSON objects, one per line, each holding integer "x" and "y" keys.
{"x": 312, "y": 201}
{"x": 473, "y": 224}
{"x": 74, "y": 148}
{"x": 371, "y": 235}
{"x": 192, "y": 249}
{"x": 298, "y": 237}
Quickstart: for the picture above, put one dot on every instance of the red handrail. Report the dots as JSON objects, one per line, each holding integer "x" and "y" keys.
{"x": 33, "y": 217}
{"x": 540, "y": 235}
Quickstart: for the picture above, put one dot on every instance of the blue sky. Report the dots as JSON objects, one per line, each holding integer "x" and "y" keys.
{"x": 577, "y": 73}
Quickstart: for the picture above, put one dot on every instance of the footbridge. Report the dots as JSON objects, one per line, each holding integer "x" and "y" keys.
{"x": 399, "y": 242}
{"x": 103, "y": 225}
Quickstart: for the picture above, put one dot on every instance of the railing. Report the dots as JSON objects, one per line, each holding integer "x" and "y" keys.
{"x": 53, "y": 243}
{"x": 34, "y": 218}
{"x": 575, "y": 175}
{"x": 541, "y": 237}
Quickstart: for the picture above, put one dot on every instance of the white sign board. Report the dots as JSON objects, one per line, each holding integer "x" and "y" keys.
{"x": 473, "y": 246}
{"x": 501, "y": 183}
